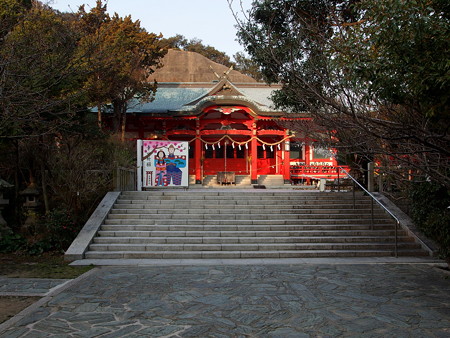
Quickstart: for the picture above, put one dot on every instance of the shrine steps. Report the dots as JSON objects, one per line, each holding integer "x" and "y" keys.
{"x": 271, "y": 180}
{"x": 244, "y": 181}
{"x": 236, "y": 224}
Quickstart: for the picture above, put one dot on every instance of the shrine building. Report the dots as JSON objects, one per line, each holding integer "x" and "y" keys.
{"x": 228, "y": 120}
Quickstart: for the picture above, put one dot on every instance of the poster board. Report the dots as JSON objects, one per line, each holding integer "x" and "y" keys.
{"x": 165, "y": 164}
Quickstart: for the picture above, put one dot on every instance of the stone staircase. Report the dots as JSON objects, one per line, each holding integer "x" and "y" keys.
{"x": 231, "y": 224}
{"x": 242, "y": 181}
{"x": 271, "y": 180}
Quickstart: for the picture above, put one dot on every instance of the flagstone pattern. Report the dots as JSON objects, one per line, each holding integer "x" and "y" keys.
{"x": 301, "y": 300}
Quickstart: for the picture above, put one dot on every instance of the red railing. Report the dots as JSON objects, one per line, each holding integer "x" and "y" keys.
{"x": 317, "y": 171}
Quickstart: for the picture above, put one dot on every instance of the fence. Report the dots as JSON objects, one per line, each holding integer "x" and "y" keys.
{"x": 125, "y": 179}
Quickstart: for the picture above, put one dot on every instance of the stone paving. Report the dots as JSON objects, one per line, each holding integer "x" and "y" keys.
{"x": 29, "y": 286}
{"x": 292, "y": 300}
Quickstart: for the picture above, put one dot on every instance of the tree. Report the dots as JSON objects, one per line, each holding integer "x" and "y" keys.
{"x": 10, "y": 13}
{"x": 39, "y": 77}
{"x": 247, "y": 66}
{"x": 374, "y": 74}
{"x": 122, "y": 55}
{"x": 40, "y": 89}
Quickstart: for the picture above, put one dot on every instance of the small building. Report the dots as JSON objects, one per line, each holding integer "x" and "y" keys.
{"x": 228, "y": 120}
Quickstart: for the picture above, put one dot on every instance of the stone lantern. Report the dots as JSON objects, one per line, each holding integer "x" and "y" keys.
{"x": 31, "y": 203}
{"x": 3, "y": 202}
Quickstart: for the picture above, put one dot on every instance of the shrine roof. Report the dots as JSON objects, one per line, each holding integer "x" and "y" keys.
{"x": 166, "y": 99}
{"x": 172, "y": 98}
{"x": 189, "y": 82}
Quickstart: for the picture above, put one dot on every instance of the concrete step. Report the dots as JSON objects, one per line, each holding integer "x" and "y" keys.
{"x": 245, "y": 240}
{"x": 248, "y": 254}
{"x": 252, "y": 234}
{"x": 243, "y": 228}
{"x": 212, "y": 224}
{"x": 242, "y": 181}
{"x": 247, "y": 246}
{"x": 213, "y": 201}
{"x": 237, "y": 206}
{"x": 240, "y": 195}
{"x": 271, "y": 180}
{"x": 338, "y": 213}
{"x": 261, "y": 223}
{"x": 248, "y": 217}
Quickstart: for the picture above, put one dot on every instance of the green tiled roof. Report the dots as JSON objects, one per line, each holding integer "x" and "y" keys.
{"x": 167, "y": 99}
{"x": 178, "y": 99}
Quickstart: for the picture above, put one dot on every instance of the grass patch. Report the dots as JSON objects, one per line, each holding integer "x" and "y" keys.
{"x": 48, "y": 265}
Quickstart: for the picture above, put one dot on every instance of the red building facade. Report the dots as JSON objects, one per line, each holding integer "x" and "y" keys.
{"x": 230, "y": 127}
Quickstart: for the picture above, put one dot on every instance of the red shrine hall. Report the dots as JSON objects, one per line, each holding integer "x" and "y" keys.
{"x": 229, "y": 122}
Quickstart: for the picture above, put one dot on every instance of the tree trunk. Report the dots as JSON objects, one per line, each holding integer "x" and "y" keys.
{"x": 99, "y": 115}
{"x": 123, "y": 127}
{"x": 42, "y": 158}
{"x": 44, "y": 188}
{"x": 120, "y": 117}
{"x": 117, "y": 115}
{"x": 17, "y": 180}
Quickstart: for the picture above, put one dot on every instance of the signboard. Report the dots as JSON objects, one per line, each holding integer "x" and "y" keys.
{"x": 164, "y": 163}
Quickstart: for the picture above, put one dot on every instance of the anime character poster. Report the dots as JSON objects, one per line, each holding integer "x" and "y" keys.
{"x": 165, "y": 163}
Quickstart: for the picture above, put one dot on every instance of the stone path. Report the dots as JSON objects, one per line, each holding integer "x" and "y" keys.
{"x": 298, "y": 300}
{"x": 29, "y": 287}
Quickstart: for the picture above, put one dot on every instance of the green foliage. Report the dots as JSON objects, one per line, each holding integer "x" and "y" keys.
{"x": 10, "y": 13}
{"x": 431, "y": 213}
{"x": 118, "y": 55}
{"x": 39, "y": 247}
{"x": 60, "y": 229}
{"x": 80, "y": 172}
{"x": 399, "y": 51}
{"x": 247, "y": 66}
{"x": 39, "y": 76}
{"x": 374, "y": 74}
{"x": 12, "y": 243}
{"x": 52, "y": 66}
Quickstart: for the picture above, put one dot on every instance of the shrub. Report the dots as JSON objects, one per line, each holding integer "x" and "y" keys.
{"x": 430, "y": 204}
{"x": 59, "y": 230}
{"x": 11, "y": 242}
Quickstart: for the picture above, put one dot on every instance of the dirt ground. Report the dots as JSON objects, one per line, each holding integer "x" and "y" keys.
{"x": 11, "y": 305}
{"x": 18, "y": 265}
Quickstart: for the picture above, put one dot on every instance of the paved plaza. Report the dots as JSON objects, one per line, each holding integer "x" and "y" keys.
{"x": 247, "y": 300}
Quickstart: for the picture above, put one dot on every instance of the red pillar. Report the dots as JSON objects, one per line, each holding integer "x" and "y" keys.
{"x": 254, "y": 154}
{"x": 287, "y": 162}
{"x": 307, "y": 160}
{"x": 198, "y": 157}
{"x": 198, "y": 154}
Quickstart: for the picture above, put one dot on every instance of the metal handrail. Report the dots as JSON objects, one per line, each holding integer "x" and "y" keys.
{"x": 376, "y": 200}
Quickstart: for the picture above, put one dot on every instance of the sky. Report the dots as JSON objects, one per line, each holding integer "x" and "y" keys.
{"x": 208, "y": 20}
